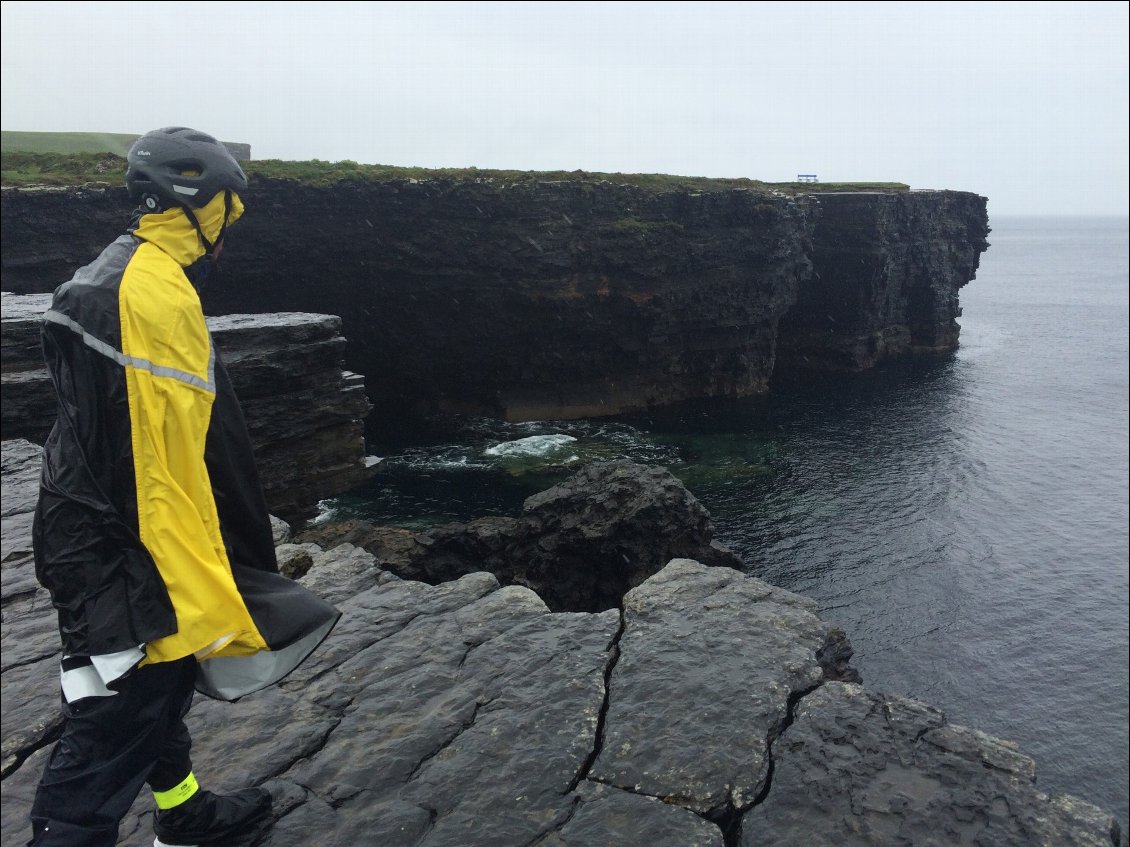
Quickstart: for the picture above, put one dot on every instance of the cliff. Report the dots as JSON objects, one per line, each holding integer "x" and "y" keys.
{"x": 304, "y": 413}
{"x": 570, "y": 298}
{"x": 887, "y": 269}
{"x": 709, "y": 711}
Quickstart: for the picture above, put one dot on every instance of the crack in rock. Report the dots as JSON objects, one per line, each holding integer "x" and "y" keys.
{"x": 602, "y": 716}
{"x": 15, "y": 760}
{"x": 774, "y": 735}
{"x": 23, "y": 663}
{"x": 306, "y": 754}
{"x": 463, "y": 727}
{"x": 710, "y": 660}
{"x": 857, "y": 762}
{"x": 557, "y": 826}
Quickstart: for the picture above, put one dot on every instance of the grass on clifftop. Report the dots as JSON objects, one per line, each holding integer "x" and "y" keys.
{"x": 66, "y": 142}
{"x": 21, "y": 169}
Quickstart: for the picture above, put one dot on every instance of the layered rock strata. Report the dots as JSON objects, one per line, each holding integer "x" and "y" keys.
{"x": 467, "y": 713}
{"x": 304, "y": 413}
{"x": 887, "y": 269}
{"x": 565, "y": 299}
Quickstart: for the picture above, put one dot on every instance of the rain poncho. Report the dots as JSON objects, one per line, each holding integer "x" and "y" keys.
{"x": 152, "y": 531}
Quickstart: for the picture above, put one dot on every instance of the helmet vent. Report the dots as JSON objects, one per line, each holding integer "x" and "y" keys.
{"x": 187, "y": 167}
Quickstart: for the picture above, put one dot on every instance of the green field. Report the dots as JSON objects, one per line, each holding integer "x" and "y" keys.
{"x": 81, "y": 158}
{"x": 66, "y": 142}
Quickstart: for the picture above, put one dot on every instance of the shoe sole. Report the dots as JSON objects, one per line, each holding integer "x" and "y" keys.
{"x": 241, "y": 839}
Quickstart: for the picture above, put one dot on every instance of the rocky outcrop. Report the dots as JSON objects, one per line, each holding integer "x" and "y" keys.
{"x": 27, "y": 398}
{"x": 887, "y": 269}
{"x": 580, "y": 545}
{"x": 564, "y": 299}
{"x": 304, "y": 413}
{"x": 467, "y": 713}
{"x": 863, "y": 768}
{"x": 29, "y": 637}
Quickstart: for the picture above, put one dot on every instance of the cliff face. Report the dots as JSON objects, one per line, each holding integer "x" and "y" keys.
{"x": 564, "y": 299}
{"x": 530, "y": 302}
{"x": 887, "y": 269}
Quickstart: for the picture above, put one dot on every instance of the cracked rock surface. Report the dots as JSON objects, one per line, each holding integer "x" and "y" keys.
{"x": 668, "y": 705}
{"x": 857, "y": 768}
{"x": 468, "y": 714}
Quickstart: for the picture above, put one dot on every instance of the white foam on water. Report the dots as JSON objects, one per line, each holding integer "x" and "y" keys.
{"x": 532, "y": 446}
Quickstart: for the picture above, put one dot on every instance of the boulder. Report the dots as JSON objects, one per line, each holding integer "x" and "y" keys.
{"x": 579, "y": 545}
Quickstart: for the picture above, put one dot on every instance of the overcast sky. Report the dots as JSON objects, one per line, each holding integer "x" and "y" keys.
{"x": 1025, "y": 103}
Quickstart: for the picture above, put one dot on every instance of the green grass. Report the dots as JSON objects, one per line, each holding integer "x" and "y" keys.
{"x": 23, "y": 169}
{"x": 66, "y": 142}
{"x": 93, "y": 163}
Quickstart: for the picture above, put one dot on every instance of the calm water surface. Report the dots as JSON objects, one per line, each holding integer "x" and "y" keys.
{"x": 963, "y": 519}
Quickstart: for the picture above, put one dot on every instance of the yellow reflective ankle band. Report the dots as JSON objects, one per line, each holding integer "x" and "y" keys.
{"x": 176, "y": 795}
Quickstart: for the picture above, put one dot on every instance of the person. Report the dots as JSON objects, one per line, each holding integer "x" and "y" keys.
{"x": 152, "y": 533}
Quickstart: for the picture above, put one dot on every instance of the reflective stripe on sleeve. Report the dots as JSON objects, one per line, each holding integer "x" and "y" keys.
{"x": 100, "y": 346}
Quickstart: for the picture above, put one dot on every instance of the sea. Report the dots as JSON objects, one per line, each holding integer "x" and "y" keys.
{"x": 963, "y": 518}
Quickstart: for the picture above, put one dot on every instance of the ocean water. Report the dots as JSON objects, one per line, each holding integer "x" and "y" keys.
{"x": 963, "y": 518}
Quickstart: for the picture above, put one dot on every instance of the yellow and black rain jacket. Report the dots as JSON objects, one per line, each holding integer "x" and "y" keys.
{"x": 151, "y": 528}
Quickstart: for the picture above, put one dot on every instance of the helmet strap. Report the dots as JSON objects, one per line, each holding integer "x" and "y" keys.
{"x": 208, "y": 245}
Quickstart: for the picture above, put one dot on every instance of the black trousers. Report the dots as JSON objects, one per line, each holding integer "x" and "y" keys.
{"x": 110, "y": 747}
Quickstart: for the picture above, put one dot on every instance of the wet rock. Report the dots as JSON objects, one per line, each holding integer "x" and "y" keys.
{"x": 667, "y": 705}
{"x": 579, "y": 545}
{"x": 863, "y": 769}
{"x": 280, "y": 531}
{"x": 20, "y": 464}
{"x": 467, "y": 713}
{"x": 607, "y": 815}
{"x": 29, "y": 637}
{"x": 295, "y": 560}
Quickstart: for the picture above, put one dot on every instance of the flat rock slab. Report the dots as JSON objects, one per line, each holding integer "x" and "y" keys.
{"x": 467, "y": 714}
{"x": 710, "y": 660}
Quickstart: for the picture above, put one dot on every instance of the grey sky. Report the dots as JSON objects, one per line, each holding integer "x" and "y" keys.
{"x": 1025, "y": 103}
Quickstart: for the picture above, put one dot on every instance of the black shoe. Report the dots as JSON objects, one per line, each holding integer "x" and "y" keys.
{"x": 208, "y": 819}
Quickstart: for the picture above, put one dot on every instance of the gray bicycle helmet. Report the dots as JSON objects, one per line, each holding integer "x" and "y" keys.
{"x": 178, "y": 166}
